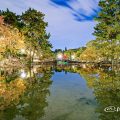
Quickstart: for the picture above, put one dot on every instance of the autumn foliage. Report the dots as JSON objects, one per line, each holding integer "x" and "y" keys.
{"x": 11, "y": 92}
{"x": 1, "y": 20}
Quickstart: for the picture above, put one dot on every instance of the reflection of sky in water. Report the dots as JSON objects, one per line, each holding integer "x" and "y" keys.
{"x": 27, "y": 74}
{"x": 70, "y": 99}
{"x": 23, "y": 74}
{"x": 40, "y": 75}
{"x": 95, "y": 75}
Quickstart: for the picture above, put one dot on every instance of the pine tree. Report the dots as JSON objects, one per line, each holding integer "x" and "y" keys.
{"x": 35, "y": 33}
{"x": 107, "y": 31}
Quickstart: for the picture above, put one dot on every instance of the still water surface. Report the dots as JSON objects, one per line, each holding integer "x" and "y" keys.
{"x": 59, "y": 93}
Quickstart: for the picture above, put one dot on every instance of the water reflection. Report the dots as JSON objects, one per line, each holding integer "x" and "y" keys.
{"x": 24, "y": 92}
{"x": 23, "y": 74}
{"x": 23, "y": 95}
{"x": 105, "y": 83}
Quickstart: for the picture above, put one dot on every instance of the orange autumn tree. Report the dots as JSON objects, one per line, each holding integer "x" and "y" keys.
{"x": 11, "y": 40}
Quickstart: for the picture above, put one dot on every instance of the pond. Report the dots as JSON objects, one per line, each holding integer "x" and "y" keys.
{"x": 68, "y": 92}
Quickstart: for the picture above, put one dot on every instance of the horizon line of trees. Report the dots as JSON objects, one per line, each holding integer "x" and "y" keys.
{"x": 106, "y": 46}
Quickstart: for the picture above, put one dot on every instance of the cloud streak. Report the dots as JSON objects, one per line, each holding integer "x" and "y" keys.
{"x": 81, "y": 10}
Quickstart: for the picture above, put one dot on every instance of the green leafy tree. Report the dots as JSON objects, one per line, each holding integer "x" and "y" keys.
{"x": 35, "y": 32}
{"x": 107, "y": 30}
{"x": 11, "y": 18}
{"x": 32, "y": 25}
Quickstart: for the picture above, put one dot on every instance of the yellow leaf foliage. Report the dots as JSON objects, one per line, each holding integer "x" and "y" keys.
{"x": 10, "y": 92}
{"x": 10, "y": 38}
{"x": 90, "y": 54}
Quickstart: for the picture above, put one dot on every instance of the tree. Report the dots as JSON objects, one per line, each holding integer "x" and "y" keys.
{"x": 80, "y": 51}
{"x": 90, "y": 54}
{"x": 1, "y": 20}
{"x": 107, "y": 30}
{"x": 35, "y": 32}
{"x": 65, "y": 48}
{"x": 31, "y": 24}
{"x": 11, "y": 41}
{"x": 10, "y": 18}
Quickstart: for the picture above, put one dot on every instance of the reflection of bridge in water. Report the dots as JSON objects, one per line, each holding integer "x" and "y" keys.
{"x": 75, "y": 62}
{"x": 67, "y": 61}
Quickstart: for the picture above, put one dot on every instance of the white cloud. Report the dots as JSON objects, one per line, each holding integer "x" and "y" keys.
{"x": 85, "y": 5}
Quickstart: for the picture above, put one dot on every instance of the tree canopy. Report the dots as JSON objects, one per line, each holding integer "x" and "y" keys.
{"x": 32, "y": 27}
{"x": 107, "y": 30}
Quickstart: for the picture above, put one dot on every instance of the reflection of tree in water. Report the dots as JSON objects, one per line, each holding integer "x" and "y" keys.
{"x": 31, "y": 105}
{"x": 66, "y": 68}
{"x": 107, "y": 92}
{"x": 9, "y": 74}
{"x": 31, "y": 101}
{"x": 11, "y": 88}
{"x": 35, "y": 97}
{"x": 106, "y": 85}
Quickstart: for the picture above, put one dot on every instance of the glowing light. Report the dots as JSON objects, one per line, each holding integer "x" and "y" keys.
{"x": 84, "y": 66}
{"x": 73, "y": 56}
{"x": 22, "y": 50}
{"x": 35, "y": 70}
{"x": 23, "y": 74}
{"x": 32, "y": 52}
{"x": 59, "y": 56}
{"x": 73, "y": 66}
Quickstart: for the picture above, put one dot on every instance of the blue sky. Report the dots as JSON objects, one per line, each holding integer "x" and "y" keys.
{"x": 70, "y": 22}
